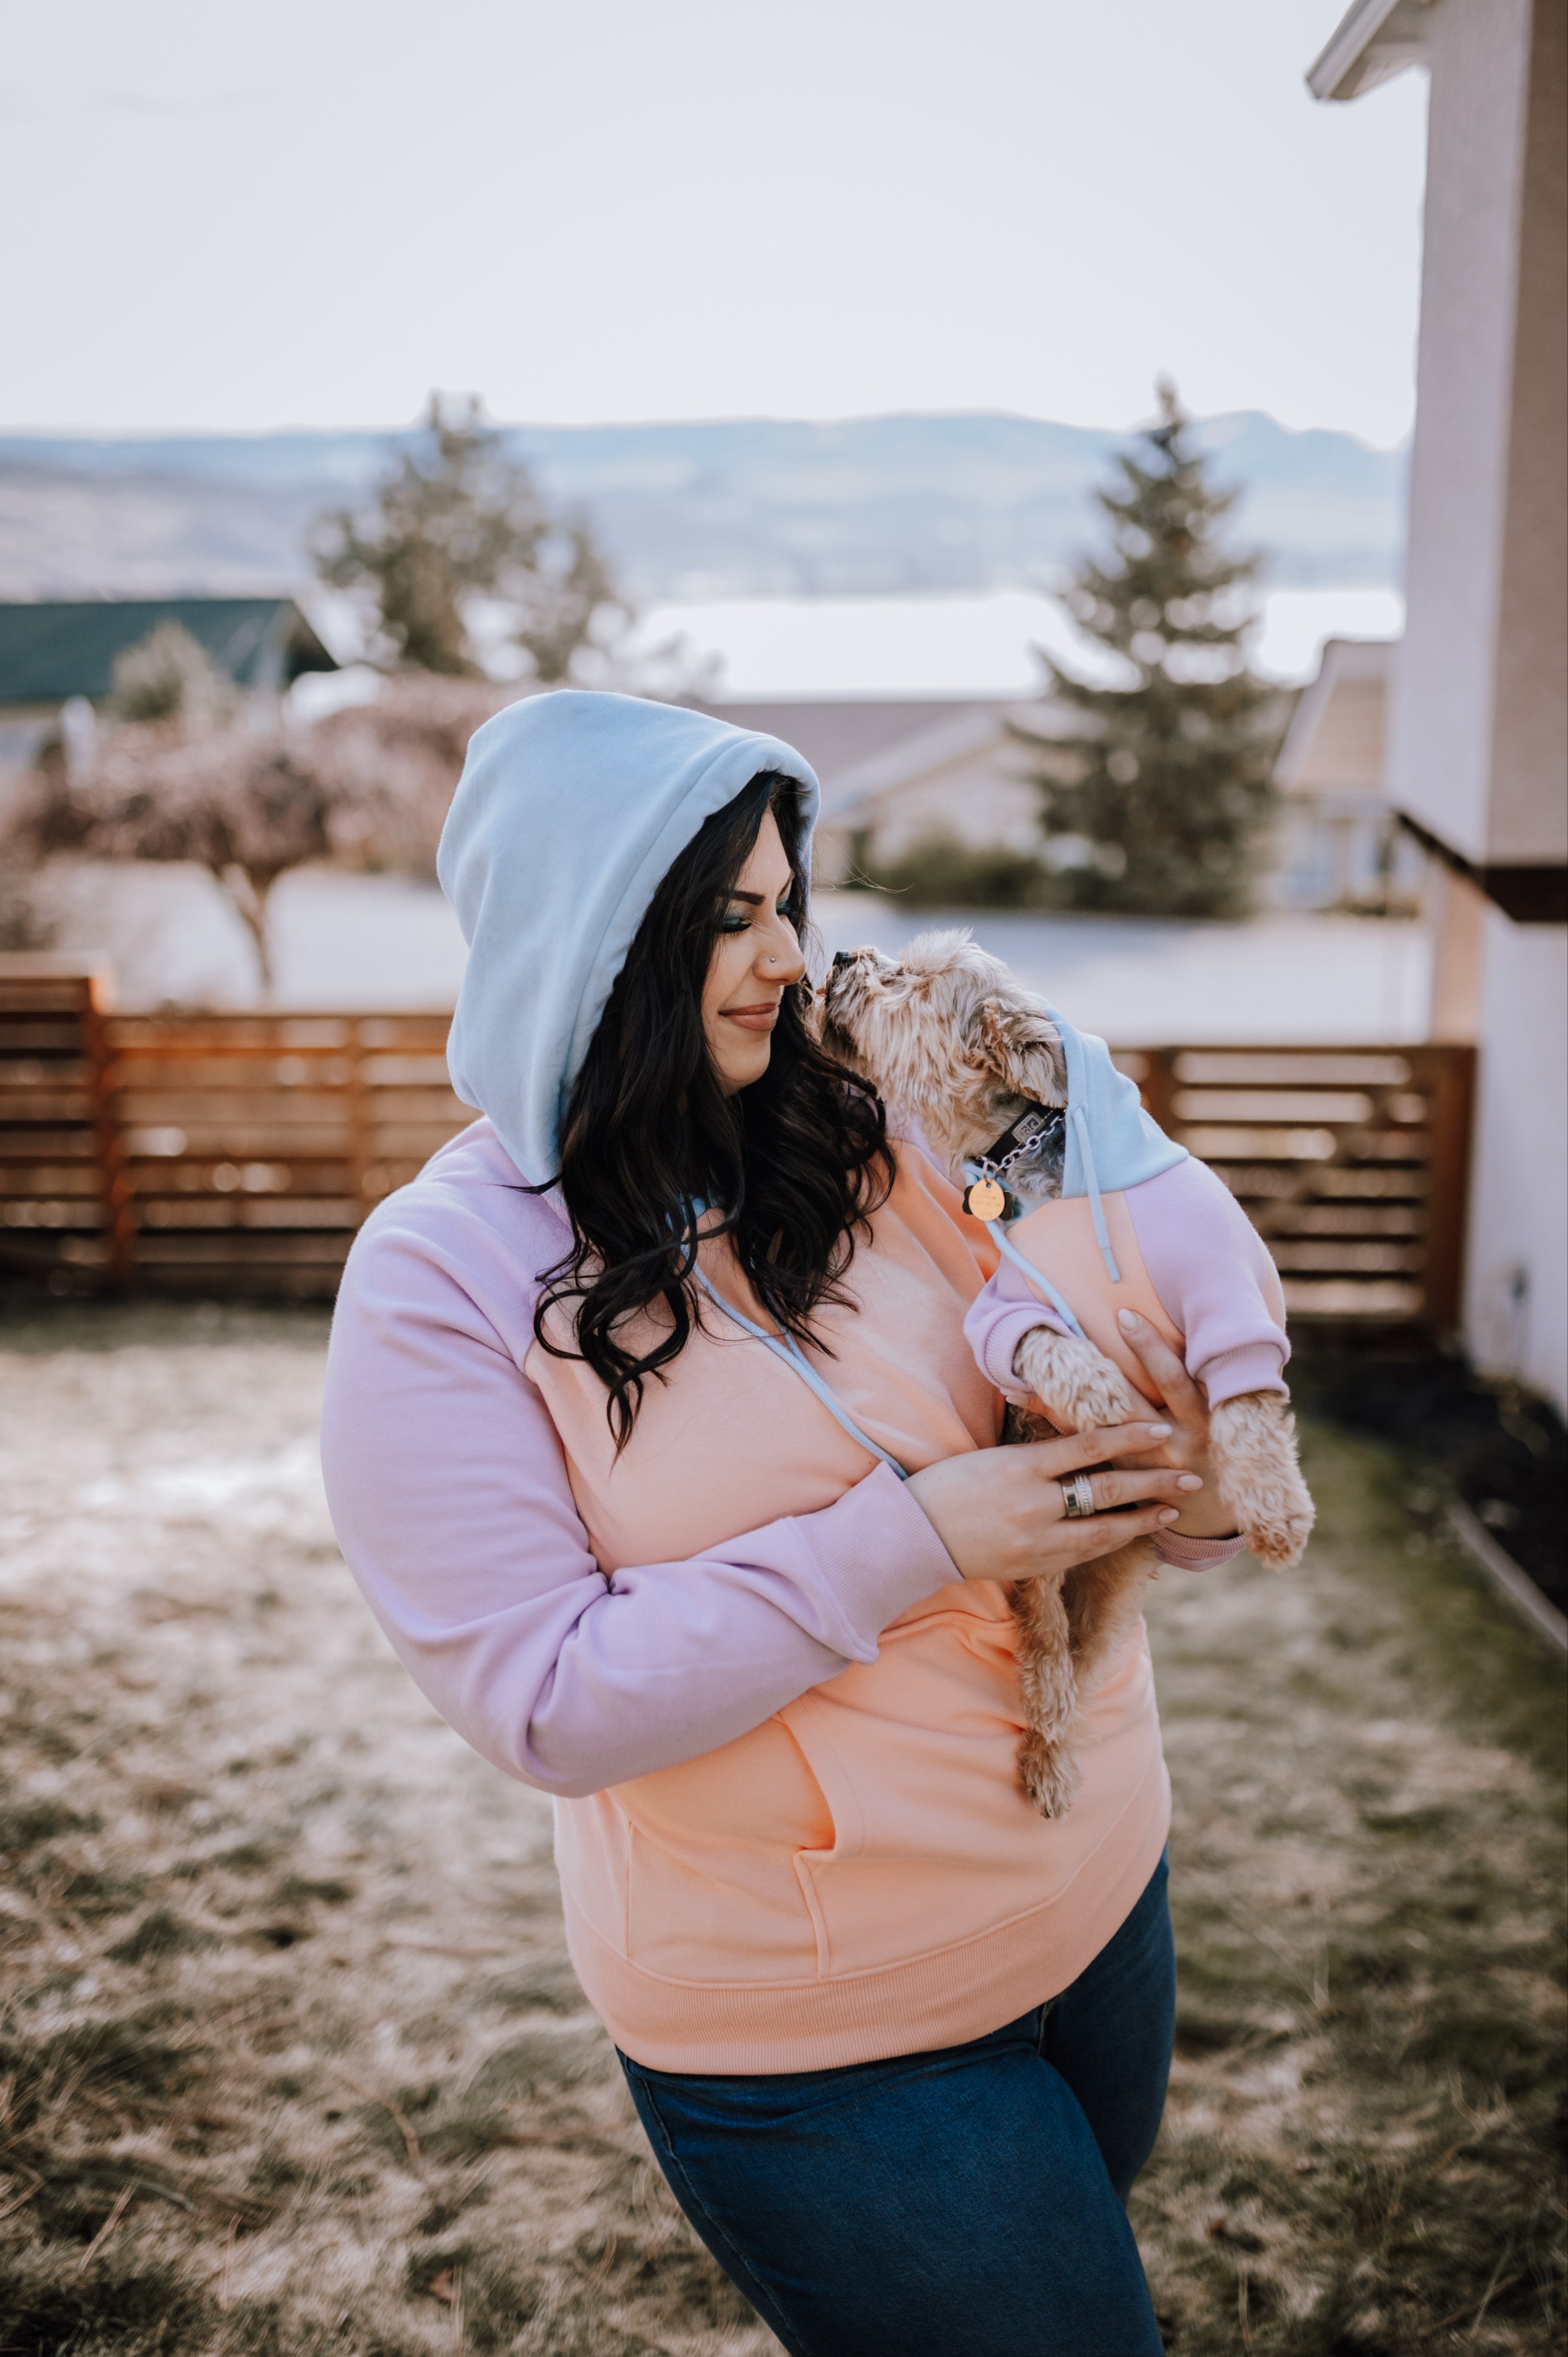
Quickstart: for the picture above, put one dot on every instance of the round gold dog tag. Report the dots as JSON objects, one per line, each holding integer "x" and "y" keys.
{"x": 985, "y": 1200}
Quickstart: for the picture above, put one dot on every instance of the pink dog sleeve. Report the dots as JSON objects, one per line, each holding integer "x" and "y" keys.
{"x": 1211, "y": 1269}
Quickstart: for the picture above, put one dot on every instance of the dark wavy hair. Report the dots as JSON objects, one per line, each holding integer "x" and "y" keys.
{"x": 798, "y": 1162}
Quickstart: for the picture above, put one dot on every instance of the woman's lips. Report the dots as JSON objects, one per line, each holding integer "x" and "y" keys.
{"x": 752, "y": 1018}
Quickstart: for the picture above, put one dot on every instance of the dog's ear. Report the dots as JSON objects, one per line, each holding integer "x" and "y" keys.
{"x": 1023, "y": 1050}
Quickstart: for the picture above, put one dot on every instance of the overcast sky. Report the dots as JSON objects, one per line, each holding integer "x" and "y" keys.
{"x": 222, "y": 217}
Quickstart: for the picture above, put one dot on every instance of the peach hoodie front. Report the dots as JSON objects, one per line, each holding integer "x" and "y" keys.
{"x": 780, "y": 1730}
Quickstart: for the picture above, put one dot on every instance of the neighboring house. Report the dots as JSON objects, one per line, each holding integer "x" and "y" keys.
{"x": 1338, "y": 841}
{"x": 52, "y": 653}
{"x": 1477, "y": 717}
{"x": 897, "y": 773}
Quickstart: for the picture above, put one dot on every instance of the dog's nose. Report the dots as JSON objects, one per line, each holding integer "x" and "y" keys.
{"x": 842, "y": 957}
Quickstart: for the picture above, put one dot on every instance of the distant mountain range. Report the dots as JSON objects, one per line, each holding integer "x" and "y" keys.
{"x": 733, "y": 507}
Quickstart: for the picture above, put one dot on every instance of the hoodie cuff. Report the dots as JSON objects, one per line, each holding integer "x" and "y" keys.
{"x": 994, "y": 1330}
{"x": 880, "y": 1556}
{"x": 1194, "y": 1555}
{"x": 1252, "y": 1367}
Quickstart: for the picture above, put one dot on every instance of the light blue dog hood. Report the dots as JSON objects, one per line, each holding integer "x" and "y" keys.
{"x": 1111, "y": 1144}
{"x": 570, "y": 813}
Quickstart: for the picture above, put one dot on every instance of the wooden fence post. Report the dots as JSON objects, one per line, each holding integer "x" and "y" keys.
{"x": 1452, "y": 1085}
{"x": 114, "y": 1185}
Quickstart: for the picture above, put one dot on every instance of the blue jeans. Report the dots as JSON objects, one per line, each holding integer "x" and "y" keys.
{"x": 967, "y": 2202}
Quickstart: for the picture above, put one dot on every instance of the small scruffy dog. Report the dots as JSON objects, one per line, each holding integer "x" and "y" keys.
{"x": 1107, "y": 1212}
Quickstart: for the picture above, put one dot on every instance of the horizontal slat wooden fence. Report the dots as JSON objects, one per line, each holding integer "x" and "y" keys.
{"x": 1351, "y": 1163}
{"x": 64, "y": 1198}
{"x": 206, "y": 1154}
{"x": 237, "y": 1153}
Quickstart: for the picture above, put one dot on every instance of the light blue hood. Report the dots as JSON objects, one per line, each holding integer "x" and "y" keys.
{"x": 570, "y": 810}
{"x": 1125, "y": 1147}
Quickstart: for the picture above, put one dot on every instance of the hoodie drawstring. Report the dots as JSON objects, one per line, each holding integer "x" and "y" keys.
{"x": 1041, "y": 1283}
{"x": 785, "y": 1347}
{"x": 1096, "y": 1207}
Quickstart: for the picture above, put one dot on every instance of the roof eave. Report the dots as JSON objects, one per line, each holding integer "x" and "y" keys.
{"x": 1375, "y": 40}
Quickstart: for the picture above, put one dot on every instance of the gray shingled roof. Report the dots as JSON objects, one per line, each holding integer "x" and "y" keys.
{"x": 837, "y": 734}
{"x": 50, "y": 651}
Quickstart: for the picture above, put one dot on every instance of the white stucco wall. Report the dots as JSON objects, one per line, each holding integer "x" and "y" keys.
{"x": 1529, "y": 818}
{"x": 1486, "y": 495}
{"x": 1515, "y": 1279}
{"x": 1478, "y": 705}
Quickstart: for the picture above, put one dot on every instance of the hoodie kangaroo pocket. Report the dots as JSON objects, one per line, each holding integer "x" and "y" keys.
{"x": 933, "y": 1837}
{"x": 712, "y": 1893}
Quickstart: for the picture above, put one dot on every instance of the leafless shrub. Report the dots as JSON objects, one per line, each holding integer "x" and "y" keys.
{"x": 168, "y": 675}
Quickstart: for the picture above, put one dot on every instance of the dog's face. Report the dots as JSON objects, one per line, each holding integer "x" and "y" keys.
{"x": 945, "y": 1033}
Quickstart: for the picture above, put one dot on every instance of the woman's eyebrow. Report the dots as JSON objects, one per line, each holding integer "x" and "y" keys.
{"x": 752, "y": 900}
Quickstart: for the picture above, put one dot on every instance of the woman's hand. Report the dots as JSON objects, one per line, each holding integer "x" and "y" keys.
{"x": 1002, "y": 1514}
{"x": 1204, "y": 1513}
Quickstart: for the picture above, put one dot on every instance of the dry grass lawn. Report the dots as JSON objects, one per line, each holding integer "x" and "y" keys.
{"x": 291, "y": 2059}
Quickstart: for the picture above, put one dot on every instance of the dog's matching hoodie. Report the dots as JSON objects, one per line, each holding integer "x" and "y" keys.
{"x": 1139, "y": 1225}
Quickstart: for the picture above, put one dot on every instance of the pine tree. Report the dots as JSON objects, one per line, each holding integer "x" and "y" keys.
{"x": 458, "y": 519}
{"x": 1154, "y": 800}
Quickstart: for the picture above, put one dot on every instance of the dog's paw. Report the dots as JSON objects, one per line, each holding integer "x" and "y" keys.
{"x": 1049, "y": 1772}
{"x": 1277, "y": 1533}
{"x": 1253, "y": 1441}
{"x": 1080, "y": 1387}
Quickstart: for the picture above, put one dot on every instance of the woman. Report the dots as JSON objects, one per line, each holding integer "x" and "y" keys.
{"x": 623, "y": 1395}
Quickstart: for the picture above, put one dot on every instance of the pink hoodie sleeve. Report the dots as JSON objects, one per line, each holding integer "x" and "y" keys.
{"x": 451, "y": 1502}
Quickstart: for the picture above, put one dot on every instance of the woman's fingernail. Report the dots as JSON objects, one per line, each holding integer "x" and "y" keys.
{"x": 1127, "y": 1318}
{"x": 1168, "y": 1514}
{"x": 1189, "y": 1481}
{"x": 1160, "y": 1431}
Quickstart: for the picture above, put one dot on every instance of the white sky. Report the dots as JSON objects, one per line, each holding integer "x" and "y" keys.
{"x": 222, "y": 217}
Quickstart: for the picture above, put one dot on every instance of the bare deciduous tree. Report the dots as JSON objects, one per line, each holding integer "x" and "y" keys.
{"x": 366, "y": 788}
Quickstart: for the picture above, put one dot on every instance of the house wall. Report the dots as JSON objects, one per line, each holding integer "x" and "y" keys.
{"x": 982, "y": 798}
{"x": 1516, "y": 1285}
{"x": 1478, "y": 724}
{"x": 1443, "y": 701}
{"x": 1529, "y": 817}
{"x": 1347, "y": 752}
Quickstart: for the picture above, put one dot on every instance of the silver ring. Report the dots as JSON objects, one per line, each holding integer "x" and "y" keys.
{"x": 1077, "y": 1497}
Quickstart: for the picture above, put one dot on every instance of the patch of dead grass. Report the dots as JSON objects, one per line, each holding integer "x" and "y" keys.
{"x": 1362, "y": 2153}
{"x": 292, "y": 2060}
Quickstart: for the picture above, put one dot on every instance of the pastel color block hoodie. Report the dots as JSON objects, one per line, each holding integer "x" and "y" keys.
{"x": 780, "y": 1729}
{"x": 1140, "y": 1224}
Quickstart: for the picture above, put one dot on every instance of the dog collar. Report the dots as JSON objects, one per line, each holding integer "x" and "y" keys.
{"x": 993, "y": 1200}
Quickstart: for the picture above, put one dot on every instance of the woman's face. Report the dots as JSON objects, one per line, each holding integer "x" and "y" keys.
{"x": 755, "y": 959}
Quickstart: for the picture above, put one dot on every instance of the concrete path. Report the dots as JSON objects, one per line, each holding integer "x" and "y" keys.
{"x": 387, "y": 941}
